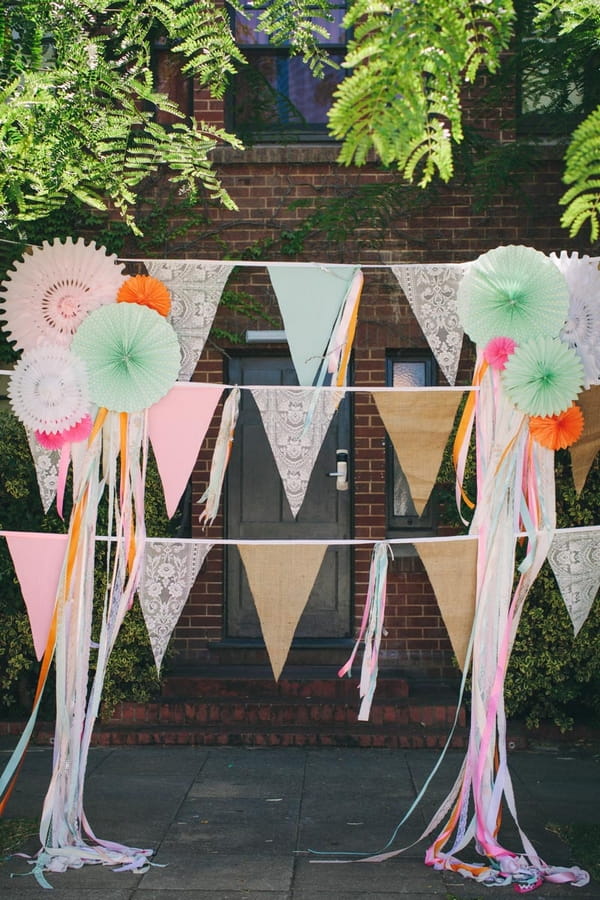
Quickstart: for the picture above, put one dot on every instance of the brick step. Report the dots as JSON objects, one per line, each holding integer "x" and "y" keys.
{"x": 279, "y": 712}
{"x": 288, "y": 689}
{"x": 386, "y": 736}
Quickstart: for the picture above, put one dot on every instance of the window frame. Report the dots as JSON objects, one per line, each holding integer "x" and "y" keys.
{"x": 279, "y": 132}
{"x": 398, "y": 526}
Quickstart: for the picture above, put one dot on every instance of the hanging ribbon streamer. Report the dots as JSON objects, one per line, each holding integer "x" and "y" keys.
{"x": 66, "y": 837}
{"x": 512, "y": 477}
{"x": 371, "y": 629}
{"x": 212, "y": 495}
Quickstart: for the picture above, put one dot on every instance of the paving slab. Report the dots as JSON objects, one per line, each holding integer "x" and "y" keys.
{"x": 235, "y": 823}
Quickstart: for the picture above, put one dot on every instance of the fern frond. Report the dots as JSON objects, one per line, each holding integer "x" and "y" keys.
{"x": 409, "y": 63}
{"x": 582, "y": 173}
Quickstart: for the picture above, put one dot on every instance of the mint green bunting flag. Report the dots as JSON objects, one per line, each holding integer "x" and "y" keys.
{"x": 311, "y": 301}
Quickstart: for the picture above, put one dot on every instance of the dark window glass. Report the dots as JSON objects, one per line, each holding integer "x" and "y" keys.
{"x": 558, "y": 75}
{"x": 406, "y": 369}
{"x": 275, "y": 96}
{"x": 169, "y": 80}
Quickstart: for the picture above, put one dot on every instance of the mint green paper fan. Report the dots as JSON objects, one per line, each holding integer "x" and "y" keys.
{"x": 543, "y": 376}
{"x": 131, "y": 353}
{"x": 513, "y": 292}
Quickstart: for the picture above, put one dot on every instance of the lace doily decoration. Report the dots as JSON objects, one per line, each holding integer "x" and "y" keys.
{"x": 46, "y": 463}
{"x": 296, "y": 445}
{"x": 48, "y": 389}
{"x": 195, "y": 289}
{"x": 582, "y": 328}
{"x": 575, "y": 560}
{"x": 169, "y": 572}
{"x": 54, "y": 288}
{"x": 431, "y": 293}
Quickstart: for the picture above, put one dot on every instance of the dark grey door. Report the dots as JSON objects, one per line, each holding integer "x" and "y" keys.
{"x": 256, "y": 508}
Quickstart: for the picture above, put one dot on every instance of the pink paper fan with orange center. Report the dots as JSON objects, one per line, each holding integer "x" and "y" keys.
{"x": 54, "y": 288}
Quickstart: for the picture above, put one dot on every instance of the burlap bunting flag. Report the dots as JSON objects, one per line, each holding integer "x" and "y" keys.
{"x": 451, "y": 567}
{"x": 419, "y": 423}
{"x": 281, "y": 578}
{"x": 583, "y": 453}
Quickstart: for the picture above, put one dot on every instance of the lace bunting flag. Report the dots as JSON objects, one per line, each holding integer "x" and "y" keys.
{"x": 295, "y": 444}
{"x": 575, "y": 560}
{"x": 46, "y": 464}
{"x": 196, "y": 289}
{"x": 169, "y": 572}
{"x": 431, "y": 292}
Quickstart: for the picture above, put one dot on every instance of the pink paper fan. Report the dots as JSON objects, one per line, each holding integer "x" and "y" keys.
{"x": 53, "y": 289}
{"x": 73, "y": 435}
{"x": 497, "y": 352}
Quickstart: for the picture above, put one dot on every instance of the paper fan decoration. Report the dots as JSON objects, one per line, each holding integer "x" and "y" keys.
{"x": 132, "y": 356}
{"x": 147, "y": 291}
{"x": 513, "y": 292}
{"x": 497, "y": 351}
{"x": 582, "y": 328}
{"x": 543, "y": 376}
{"x": 54, "y": 288}
{"x": 48, "y": 389}
{"x": 560, "y": 431}
{"x": 73, "y": 435}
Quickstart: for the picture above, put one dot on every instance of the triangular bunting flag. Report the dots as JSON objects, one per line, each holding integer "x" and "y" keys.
{"x": 419, "y": 423}
{"x": 311, "y": 299}
{"x": 38, "y": 560}
{"x": 296, "y": 446}
{"x": 583, "y": 453}
{"x": 196, "y": 289}
{"x": 575, "y": 560}
{"x": 46, "y": 463}
{"x": 431, "y": 293}
{"x": 169, "y": 572}
{"x": 451, "y": 567}
{"x": 177, "y": 425}
{"x": 281, "y": 579}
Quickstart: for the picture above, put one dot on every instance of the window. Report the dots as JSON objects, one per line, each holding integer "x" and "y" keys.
{"x": 407, "y": 369}
{"x": 275, "y": 97}
{"x": 557, "y": 79}
{"x": 170, "y": 80}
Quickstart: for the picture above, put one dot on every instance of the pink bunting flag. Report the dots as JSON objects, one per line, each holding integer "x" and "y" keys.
{"x": 38, "y": 561}
{"x": 177, "y": 426}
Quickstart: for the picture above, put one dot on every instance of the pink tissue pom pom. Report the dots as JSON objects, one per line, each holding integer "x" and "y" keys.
{"x": 78, "y": 432}
{"x": 497, "y": 352}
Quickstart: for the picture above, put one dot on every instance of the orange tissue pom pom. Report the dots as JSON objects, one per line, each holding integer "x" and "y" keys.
{"x": 559, "y": 431}
{"x": 147, "y": 291}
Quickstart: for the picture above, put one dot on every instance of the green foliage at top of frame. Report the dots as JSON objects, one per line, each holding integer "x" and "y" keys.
{"x": 131, "y": 671}
{"x": 78, "y": 102}
{"x": 408, "y": 65}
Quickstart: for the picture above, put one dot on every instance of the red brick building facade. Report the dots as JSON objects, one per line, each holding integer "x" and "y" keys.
{"x": 266, "y": 182}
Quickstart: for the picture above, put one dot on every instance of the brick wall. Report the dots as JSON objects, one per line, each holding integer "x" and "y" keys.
{"x": 264, "y": 181}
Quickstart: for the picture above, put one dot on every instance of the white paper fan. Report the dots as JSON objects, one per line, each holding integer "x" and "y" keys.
{"x": 53, "y": 289}
{"x": 48, "y": 389}
{"x": 582, "y": 328}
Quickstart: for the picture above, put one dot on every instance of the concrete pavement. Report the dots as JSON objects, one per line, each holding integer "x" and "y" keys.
{"x": 235, "y": 823}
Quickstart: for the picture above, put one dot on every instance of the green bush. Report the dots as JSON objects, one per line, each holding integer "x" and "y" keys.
{"x": 131, "y": 673}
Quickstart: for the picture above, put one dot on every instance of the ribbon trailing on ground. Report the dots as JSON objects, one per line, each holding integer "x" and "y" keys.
{"x": 116, "y": 462}
{"x": 515, "y": 486}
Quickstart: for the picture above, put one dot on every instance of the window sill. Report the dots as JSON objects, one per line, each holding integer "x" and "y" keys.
{"x": 265, "y": 154}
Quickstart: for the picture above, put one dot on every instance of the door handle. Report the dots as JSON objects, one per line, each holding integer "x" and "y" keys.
{"x": 341, "y": 473}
